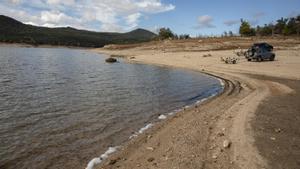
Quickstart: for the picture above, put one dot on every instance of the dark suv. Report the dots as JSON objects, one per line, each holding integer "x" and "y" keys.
{"x": 260, "y": 52}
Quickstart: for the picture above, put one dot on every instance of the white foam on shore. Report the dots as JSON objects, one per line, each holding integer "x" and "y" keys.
{"x": 221, "y": 82}
{"x": 162, "y": 117}
{"x": 143, "y": 129}
{"x": 133, "y": 136}
{"x": 98, "y": 160}
{"x": 187, "y": 107}
{"x": 175, "y": 111}
{"x": 203, "y": 100}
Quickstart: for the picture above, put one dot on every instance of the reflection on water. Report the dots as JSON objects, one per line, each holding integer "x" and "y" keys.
{"x": 59, "y": 108}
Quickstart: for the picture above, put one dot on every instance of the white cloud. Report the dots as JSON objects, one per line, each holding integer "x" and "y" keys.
{"x": 60, "y": 2}
{"x": 53, "y": 17}
{"x": 256, "y": 18}
{"x": 231, "y": 22}
{"x": 205, "y": 21}
{"x": 132, "y": 20}
{"x": 154, "y": 6}
{"x": 100, "y": 15}
{"x": 259, "y": 15}
{"x": 15, "y": 1}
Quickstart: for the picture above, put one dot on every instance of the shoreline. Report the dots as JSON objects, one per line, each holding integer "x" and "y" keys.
{"x": 231, "y": 115}
{"x": 150, "y": 127}
{"x": 231, "y": 86}
{"x": 25, "y": 45}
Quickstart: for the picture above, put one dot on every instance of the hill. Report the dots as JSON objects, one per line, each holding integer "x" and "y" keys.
{"x": 13, "y": 31}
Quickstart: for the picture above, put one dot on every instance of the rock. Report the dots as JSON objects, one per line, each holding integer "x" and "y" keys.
{"x": 206, "y": 55}
{"x": 272, "y": 138}
{"x": 110, "y": 60}
{"x": 214, "y": 156}
{"x": 112, "y": 162}
{"x": 278, "y": 130}
{"x": 150, "y": 159}
{"x": 162, "y": 117}
{"x": 150, "y": 148}
{"x": 226, "y": 143}
{"x": 220, "y": 134}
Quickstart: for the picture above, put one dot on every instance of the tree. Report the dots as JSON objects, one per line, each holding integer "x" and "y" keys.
{"x": 298, "y": 24}
{"x": 286, "y": 30}
{"x": 184, "y": 36}
{"x": 279, "y": 26}
{"x": 266, "y": 30}
{"x": 291, "y": 27}
{"x": 165, "y": 33}
{"x": 245, "y": 29}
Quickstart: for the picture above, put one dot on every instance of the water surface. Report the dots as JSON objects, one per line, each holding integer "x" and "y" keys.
{"x": 59, "y": 108}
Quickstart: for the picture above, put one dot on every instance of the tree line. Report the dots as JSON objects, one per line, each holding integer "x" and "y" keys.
{"x": 283, "y": 26}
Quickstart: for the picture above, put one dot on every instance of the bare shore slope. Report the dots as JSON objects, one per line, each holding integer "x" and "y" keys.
{"x": 222, "y": 132}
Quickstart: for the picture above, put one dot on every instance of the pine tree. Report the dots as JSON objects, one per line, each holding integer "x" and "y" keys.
{"x": 245, "y": 29}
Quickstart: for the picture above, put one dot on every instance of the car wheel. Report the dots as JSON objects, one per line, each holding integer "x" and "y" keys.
{"x": 259, "y": 59}
{"x": 272, "y": 58}
{"x": 249, "y": 60}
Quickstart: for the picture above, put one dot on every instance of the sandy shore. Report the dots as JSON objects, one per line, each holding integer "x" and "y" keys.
{"x": 195, "y": 138}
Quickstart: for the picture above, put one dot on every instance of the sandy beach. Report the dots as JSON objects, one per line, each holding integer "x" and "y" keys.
{"x": 253, "y": 124}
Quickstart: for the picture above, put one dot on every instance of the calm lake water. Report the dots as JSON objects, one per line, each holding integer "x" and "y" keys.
{"x": 59, "y": 108}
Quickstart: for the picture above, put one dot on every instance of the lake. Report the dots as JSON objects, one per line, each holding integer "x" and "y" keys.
{"x": 60, "y": 108}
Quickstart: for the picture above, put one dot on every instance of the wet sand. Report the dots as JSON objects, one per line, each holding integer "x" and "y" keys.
{"x": 195, "y": 138}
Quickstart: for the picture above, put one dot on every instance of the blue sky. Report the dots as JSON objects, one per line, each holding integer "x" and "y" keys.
{"x": 190, "y": 16}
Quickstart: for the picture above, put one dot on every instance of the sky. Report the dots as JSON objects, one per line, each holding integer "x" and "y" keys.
{"x": 194, "y": 17}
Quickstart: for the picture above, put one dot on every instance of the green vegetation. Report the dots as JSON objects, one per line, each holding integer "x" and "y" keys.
{"x": 228, "y": 34}
{"x": 283, "y": 26}
{"x": 245, "y": 29}
{"x": 13, "y": 31}
{"x": 165, "y": 33}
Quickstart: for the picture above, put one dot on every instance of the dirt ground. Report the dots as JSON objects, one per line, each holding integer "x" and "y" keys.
{"x": 254, "y": 124}
{"x": 276, "y": 126}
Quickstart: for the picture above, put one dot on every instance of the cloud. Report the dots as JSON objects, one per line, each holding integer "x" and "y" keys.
{"x": 60, "y": 2}
{"x": 15, "y": 1}
{"x": 259, "y": 15}
{"x": 231, "y": 22}
{"x": 100, "y": 15}
{"x": 132, "y": 20}
{"x": 256, "y": 17}
{"x": 205, "y": 21}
